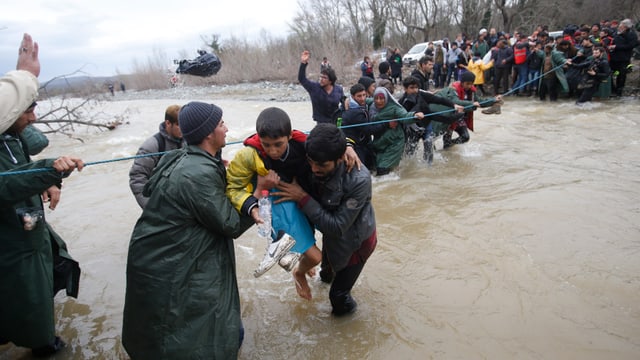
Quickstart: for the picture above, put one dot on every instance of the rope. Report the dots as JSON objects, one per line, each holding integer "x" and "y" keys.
{"x": 534, "y": 79}
{"x": 21, "y": 172}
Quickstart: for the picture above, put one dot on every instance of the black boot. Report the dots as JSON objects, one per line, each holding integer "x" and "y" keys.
{"x": 382, "y": 171}
{"x": 346, "y": 305}
{"x": 428, "y": 150}
{"x": 50, "y": 349}
{"x": 446, "y": 141}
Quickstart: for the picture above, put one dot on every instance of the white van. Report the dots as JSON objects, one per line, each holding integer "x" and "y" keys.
{"x": 416, "y": 52}
{"x": 555, "y": 34}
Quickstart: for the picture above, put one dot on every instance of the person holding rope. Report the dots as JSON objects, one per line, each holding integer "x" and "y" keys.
{"x": 553, "y": 77}
{"x": 621, "y": 50}
{"x": 181, "y": 298}
{"x": 418, "y": 100}
{"x": 388, "y": 143}
{"x": 34, "y": 262}
{"x": 463, "y": 93}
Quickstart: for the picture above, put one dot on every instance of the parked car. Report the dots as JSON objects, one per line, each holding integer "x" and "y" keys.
{"x": 416, "y": 52}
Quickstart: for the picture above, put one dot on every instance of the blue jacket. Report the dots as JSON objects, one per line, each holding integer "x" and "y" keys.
{"x": 324, "y": 105}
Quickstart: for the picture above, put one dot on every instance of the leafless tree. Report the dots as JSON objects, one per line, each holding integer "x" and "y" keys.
{"x": 70, "y": 107}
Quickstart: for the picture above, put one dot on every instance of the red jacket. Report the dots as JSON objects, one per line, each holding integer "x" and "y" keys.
{"x": 468, "y": 96}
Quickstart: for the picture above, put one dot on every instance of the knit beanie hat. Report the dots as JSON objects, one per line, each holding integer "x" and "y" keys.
{"x": 467, "y": 77}
{"x": 197, "y": 120}
{"x": 366, "y": 81}
{"x": 383, "y": 67}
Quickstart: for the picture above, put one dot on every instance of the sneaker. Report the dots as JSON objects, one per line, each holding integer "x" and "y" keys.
{"x": 275, "y": 251}
{"x": 289, "y": 261}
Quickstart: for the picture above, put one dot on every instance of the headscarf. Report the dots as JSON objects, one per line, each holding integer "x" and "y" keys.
{"x": 382, "y": 91}
{"x": 387, "y": 95}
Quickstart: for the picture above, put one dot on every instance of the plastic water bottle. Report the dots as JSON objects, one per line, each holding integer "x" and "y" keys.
{"x": 264, "y": 210}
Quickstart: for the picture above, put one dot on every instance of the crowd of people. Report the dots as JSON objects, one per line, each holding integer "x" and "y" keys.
{"x": 578, "y": 62}
{"x": 382, "y": 128}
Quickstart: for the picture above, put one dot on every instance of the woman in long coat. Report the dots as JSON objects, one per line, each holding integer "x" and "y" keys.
{"x": 389, "y": 143}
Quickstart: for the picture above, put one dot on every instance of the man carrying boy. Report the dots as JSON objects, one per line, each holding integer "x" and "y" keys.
{"x": 339, "y": 205}
{"x": 275, "y": 153}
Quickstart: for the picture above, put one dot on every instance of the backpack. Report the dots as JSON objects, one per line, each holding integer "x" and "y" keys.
{"x": 161, "y": 142}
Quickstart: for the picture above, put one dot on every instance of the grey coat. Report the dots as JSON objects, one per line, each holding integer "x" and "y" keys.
{"x": 142, "y": 167}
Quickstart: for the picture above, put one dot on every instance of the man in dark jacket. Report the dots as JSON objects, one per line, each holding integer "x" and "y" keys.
{"x": 167, "y": 138}
{"x": 395, "y": 62}
{"x": 597, "y": 70}
{"x": 355, "y": 128}
{"x": 621, "y": 50}
{"x": 31, "y": 253}
{"x": 422, "y": 72}
{"x": 325, "y": 94}
{"x": 502, "y": 60}
{"x": 340, "y": 207}
{"x": 418, "y": 100}
{"x": 181, "y": 299}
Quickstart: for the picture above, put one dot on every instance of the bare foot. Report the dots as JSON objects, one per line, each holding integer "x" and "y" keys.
{"x": 312, "y": 272}
{"x": 302, "y": 287}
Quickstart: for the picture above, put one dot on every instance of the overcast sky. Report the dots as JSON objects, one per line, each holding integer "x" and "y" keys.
{"x": 104, "y": 36}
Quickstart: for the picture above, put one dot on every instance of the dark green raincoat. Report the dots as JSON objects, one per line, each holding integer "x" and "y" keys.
{"x": 389, "y": 145}
{"x": 28, "y": 281}
{"x": 182, "y": 298}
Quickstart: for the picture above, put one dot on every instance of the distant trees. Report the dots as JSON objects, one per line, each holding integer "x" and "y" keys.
{"x": 373, "y": 24}
{"x": 346, "y": 30}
